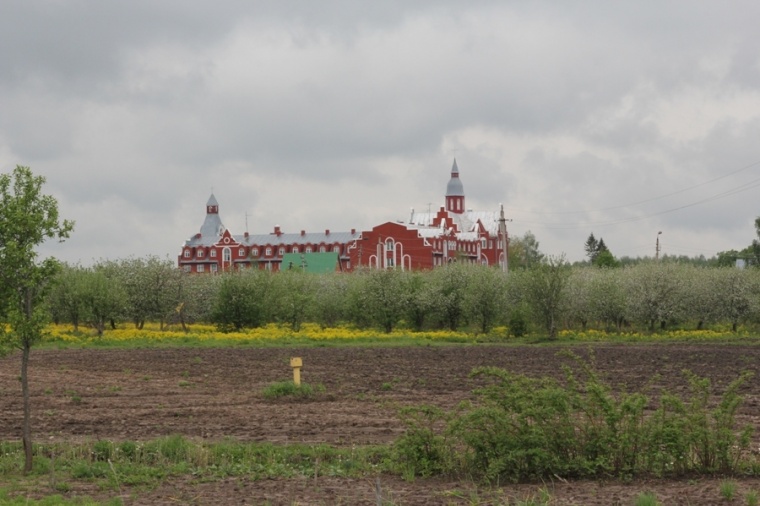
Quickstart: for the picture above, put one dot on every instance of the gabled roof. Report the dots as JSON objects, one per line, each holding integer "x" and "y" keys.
{"x": 276, "y": 240}
{"x": 467, "y": 222}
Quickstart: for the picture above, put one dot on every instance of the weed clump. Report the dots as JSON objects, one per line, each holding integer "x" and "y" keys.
{"x": 288, "y": 389}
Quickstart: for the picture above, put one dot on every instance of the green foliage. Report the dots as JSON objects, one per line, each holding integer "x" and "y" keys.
{"x": 383, "y": 297}
{"x": 518, "y": 322}
{"x": 647, "y": 499}
{"x": 524, "y": 252}
{"x": 728, "y": 489}
{"x": 242, "y": 300}
{"x": 521, "y": 428}
{"x": 485, "y": 299}
{"x": 288, "y": 389}
{"x": 546, "y": 291}
{"x": 423, "y": 450}
{"x": 293, "y": 293}
{"x": 27, "y": 219}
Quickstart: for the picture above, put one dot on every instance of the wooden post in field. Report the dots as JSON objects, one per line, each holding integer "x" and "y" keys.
{"x": 296, "y": 363}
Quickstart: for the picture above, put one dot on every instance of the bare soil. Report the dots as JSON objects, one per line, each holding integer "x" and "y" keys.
{"x": 217, "y": 393}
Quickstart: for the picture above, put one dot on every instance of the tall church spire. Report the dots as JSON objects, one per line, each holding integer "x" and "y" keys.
{"x": 455, "y": 191}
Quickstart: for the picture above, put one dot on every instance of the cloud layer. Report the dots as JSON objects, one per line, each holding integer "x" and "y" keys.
{"x": 621, "y": 120}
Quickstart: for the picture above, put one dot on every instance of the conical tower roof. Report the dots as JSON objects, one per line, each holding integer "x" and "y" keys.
{"x": 455, "y": 188}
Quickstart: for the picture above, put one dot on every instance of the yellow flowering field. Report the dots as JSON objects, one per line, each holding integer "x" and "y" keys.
{"x": 273, "y": 334}
{"x": 126, "y": 333}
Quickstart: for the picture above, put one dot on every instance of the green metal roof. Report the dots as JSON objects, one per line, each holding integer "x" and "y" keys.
{"x": 318, "y": 263}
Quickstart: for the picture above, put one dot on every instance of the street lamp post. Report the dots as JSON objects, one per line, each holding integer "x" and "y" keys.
{"x": 657, "y": 246}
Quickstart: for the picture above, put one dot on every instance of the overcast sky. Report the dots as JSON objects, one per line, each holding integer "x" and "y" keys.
{"x": 617, "y": 118}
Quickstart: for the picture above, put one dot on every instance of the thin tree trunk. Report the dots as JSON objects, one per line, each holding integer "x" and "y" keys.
{"x": 27, "y": 426}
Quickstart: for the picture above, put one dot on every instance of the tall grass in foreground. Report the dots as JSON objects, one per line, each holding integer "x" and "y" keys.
{"x": 521, "y": 428}
{"x": 114, "y": 463}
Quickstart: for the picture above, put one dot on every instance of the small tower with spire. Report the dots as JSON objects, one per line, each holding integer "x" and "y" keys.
{"x": 455, "y": 192}
{"x": 212, "y": 225}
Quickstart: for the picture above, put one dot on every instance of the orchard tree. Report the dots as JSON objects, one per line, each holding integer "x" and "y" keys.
{"x": 27, "y": 218}
{"x": 449, "y": 285}
{"x": 580, "y": 295}
{"x": 546, "y": 288}
{"x": 152, "y": 288}
{"x": 329, "y": 307}
{"x": 103, "y": 296}
{"x": 242, "y": 300}
{"x": 65, "y": 299}
{"x": 485, "y": 299}
{"x": 608, "y": 297}
{"x": 385, "y": 297}
{"x": 294, "y": 292}
{"x": 421, "y": 301}
{"x": 655, "y": 292}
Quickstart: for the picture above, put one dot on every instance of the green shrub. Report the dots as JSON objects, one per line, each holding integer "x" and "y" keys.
{"x": 289, "y": 389}
{"x": 521, "y": 428}
{"x": 423, "y": 450}
{"x": 518, "y": 323}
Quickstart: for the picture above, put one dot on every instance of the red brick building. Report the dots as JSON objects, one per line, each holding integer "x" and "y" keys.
{"x": 215, "y": 248}
{"x": 423, "y": 241}
{"x": 426, "y": 240}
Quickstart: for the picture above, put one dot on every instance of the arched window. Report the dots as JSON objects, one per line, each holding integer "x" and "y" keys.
{"x": 389, "y": 244}
{"x": 268, "y": 252}
{"x": 226, "y": 256}
{"x": 241, "y": 252}
{"x": 295, "y": 249}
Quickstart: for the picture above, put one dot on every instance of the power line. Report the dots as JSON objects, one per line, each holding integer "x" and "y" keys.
{"x": 562, "y": 226}
{"x": 652, "y": 199}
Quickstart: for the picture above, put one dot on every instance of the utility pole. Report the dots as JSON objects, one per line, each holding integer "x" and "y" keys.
{"x": 657, "y": 246}
{"x": 504, "y": 238}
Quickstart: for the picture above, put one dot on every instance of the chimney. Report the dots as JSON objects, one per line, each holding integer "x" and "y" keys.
{"x": 303, "y": 233}
{"x": 277, "y": 231}
{"x": 327, "y": 231}
{"x": 353, "y": 231}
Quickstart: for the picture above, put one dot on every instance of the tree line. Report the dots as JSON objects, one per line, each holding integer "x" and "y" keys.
{"x": 547, "y": 297}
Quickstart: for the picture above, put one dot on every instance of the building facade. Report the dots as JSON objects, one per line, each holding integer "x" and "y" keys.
{"x": 453, "y": 233}
{"x": 423, "y": 241}
{"x": 216, "y": 249}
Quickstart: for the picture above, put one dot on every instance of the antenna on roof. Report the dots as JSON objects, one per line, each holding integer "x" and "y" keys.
{"x": 246, "y": 222}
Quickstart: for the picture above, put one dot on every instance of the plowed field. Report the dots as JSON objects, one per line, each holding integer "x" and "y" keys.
{"x": 217, "y": 393}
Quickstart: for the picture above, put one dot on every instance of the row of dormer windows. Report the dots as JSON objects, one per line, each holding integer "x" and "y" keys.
{"x": 265, "y": 251}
